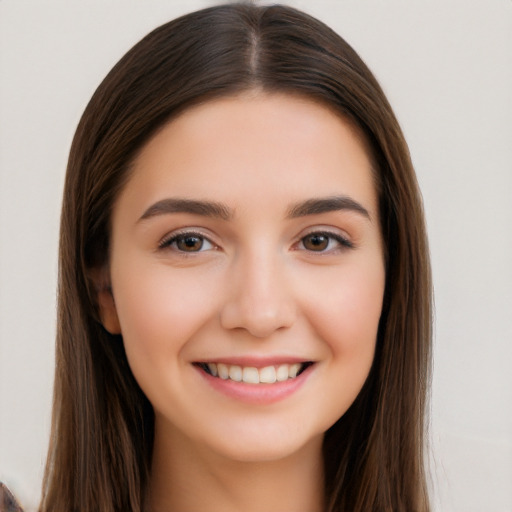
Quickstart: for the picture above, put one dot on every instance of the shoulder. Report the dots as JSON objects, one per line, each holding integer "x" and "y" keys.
{"x": 7, "y": 501}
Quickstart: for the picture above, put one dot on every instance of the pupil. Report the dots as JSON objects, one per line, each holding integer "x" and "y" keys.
{"x": 190, "y": 243}
{"x": 316, "y": 242}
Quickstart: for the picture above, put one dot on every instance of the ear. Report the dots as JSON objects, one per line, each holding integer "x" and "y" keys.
{"x": 105, "y": 300}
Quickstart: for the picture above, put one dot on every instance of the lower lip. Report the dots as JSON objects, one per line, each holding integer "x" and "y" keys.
{"x": 257, "y": 393}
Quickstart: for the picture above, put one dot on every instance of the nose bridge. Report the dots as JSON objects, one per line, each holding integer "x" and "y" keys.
{"x": 260, "y": 299}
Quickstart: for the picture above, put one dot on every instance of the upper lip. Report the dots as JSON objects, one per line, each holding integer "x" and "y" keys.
{"x": 257, "y": 361}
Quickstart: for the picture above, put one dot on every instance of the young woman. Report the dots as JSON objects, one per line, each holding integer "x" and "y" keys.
{"x": 244, "y": 296}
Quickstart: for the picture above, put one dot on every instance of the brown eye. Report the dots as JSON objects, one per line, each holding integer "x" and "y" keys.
{"x": 316, "y": 242}
{"x": 325, "y": 242}
{"x": 189, "y": 243}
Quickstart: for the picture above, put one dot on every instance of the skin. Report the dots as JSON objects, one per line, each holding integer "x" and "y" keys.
{"x": 257, "y": 287}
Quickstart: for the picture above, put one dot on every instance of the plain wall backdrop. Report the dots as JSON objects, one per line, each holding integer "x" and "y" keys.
{"x": 446, "y": 66}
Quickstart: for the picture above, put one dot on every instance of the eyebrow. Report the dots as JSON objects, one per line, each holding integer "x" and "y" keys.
{"x": 176, "y": 205}
{"x": 328, "y": 204}
{"x": 214, "y": 209}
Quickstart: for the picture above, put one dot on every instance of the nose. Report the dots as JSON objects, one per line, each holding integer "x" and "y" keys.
{"x": 259, "y": 300}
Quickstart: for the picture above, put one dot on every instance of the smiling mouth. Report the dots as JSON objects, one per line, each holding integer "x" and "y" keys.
{"x": 252, "y": 375}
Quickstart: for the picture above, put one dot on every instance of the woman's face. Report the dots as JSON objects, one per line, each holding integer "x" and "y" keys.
{"x": 247, "y": 274}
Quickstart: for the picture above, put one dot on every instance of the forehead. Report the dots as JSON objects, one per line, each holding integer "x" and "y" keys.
{"x": 254, "y": 144}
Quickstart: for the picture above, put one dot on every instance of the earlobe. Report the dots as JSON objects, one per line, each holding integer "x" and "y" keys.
{"x": 108, "y": 311}
{"x": 105, "y": 301}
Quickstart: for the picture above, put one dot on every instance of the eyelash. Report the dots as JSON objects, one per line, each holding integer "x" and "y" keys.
{"x": 344, "y": 243}
{"x": 168, "y": 241}
{"x": 174, "y": 238}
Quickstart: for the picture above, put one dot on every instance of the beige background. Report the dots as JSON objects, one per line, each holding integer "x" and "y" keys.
{"x": 446, "y": 66}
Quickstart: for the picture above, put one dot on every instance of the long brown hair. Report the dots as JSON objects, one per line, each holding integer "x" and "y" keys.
{"x": 102, "y": 433}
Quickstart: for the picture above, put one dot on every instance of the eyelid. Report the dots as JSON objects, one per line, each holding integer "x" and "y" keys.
{"x": 345, "y": 242}
{"x": 167, "y": 240}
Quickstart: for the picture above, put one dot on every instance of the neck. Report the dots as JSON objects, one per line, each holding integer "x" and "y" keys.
{"x": 187, "y": 478}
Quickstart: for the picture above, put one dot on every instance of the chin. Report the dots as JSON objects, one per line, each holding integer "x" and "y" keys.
{"x": 265, "y": 444}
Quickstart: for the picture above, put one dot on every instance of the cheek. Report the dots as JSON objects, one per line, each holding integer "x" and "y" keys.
{"x": 347, "y": 316}
{"x": 159, "y": 311}
{"x": 346, "y": 319}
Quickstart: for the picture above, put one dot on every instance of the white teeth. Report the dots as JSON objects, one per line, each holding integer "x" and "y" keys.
{"x": 282, "y": 373}
{"x": 222, "y": 370}
{"x": 252, "y": 375}
{"x": 293, "y": 370}
{"x": 235, "y": 373}
{"x": 268, "y": 375}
